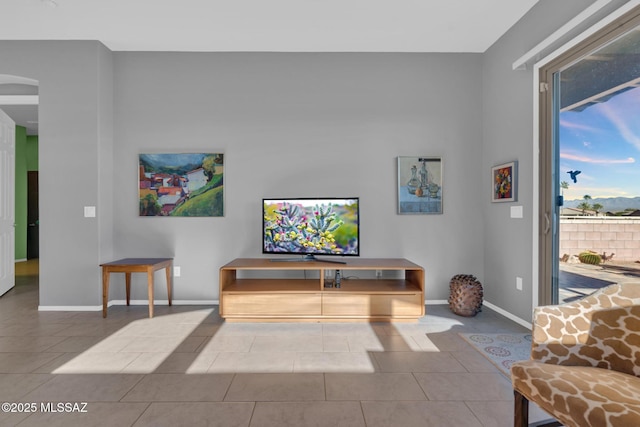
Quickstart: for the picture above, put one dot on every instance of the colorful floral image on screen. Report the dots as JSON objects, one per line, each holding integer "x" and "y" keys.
{"x": 311, "y": 226}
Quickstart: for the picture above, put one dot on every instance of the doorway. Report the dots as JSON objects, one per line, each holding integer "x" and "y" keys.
{"x": 33, "y": 216}
{"x": 19, "y": 100}
{"x": 589, "y": 170}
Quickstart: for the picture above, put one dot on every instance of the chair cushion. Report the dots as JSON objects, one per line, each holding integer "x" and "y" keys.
{"x": 580, "y": 395}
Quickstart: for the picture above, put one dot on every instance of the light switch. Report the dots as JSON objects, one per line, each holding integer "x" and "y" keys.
{"x": 89, "y": 211}
{"x": 516, "y": 212}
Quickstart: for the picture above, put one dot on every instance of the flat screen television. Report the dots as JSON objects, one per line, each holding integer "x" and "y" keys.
{"x": 311, "y": 226}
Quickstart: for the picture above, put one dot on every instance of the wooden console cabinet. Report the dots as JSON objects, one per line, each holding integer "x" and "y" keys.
{"x": 307, "y": 299}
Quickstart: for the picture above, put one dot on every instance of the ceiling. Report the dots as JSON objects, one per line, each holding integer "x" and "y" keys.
{"x": 265, "y": 26}
{"x": 273, "y": 25}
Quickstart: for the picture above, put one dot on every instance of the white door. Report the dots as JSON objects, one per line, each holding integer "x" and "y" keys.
{"x": 7, "y": 202}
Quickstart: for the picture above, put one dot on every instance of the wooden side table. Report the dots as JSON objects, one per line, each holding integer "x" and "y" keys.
{"x": 135, "y": 265}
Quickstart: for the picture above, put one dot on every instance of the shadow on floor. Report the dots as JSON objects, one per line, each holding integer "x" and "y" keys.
{"x": 578, "y": 280}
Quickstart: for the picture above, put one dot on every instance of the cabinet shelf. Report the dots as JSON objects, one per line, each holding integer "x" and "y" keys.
{"x": 376, "y": 286}
{"x": 307, "y": 299}
{"x": 272, "y": 285}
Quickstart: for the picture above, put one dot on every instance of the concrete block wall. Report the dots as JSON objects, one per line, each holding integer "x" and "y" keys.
{"x": 620, "y": 236}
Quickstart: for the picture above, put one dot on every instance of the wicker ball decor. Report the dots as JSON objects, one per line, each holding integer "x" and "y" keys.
{"x": 465, "y": 297}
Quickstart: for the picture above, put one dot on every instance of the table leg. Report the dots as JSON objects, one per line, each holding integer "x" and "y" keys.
{"x": 105, "y": 290}
{"x": 150, "y": 285}
{"x": 168, "y": 269}
{"x": 127, "y": 279}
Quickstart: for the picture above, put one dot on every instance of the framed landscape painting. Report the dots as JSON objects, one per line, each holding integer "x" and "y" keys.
{"x": 504, "y": 181}
{"x": 419, "y": 185}
{"x": 186, "y": 184}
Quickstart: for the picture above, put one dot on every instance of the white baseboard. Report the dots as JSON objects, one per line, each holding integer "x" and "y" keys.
{"x": 491, "y": 306}
{"x": 508, "y": 315}
{"x": 162, "y": 302}
{"x": 69, "y": 308}
{"x": 196, "y": 302}
{"x": 21, "y": 260}
{"x": 122, "y": 302}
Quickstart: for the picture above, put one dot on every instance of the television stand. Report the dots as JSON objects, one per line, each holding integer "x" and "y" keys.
{"x": 307, "y": 258}
{"x": 263, "y": 290}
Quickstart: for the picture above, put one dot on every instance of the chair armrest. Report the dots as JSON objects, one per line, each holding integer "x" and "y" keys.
{"x": 566, "y": 324}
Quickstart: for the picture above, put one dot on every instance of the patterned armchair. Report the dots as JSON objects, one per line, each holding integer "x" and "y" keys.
{"x": 585, "y": 361}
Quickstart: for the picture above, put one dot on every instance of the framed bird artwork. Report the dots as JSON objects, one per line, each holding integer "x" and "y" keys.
{"x": 504, "y": 182}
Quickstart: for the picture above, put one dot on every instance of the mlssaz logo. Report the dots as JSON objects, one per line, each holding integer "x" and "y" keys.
{"x": 65, "y": 407}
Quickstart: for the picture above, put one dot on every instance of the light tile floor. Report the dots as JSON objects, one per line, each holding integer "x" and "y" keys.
{"x": 186, "y": 367}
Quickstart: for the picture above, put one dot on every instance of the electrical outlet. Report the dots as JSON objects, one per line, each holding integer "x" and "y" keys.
{"x": 378, "y": 274}
{"x": 519, "y": 283}
{"x": 176, "y": 271}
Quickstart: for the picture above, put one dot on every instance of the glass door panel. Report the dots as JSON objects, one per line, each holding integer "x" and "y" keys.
{"x": 596, "y": 172}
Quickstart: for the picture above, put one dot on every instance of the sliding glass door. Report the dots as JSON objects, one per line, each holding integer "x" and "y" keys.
{"x": 590, "y": 162}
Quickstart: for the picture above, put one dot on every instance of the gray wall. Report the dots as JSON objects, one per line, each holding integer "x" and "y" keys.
{"x": 289, "y": 125}
{"x": 105, "y": 168}
{"x": 507, "y": 114}
{"x": 71, "y": 117}
{"x": 302, "y": 125}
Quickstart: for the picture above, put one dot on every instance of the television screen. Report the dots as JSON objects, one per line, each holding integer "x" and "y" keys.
{"x": 328, "y": 226}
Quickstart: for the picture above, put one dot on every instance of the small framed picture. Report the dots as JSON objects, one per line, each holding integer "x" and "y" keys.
{"x": 420, "y": 185}
{"x": 504, "y": 182}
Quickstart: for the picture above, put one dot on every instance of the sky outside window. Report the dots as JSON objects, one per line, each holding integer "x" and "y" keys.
{"x": 603, "y": 142}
